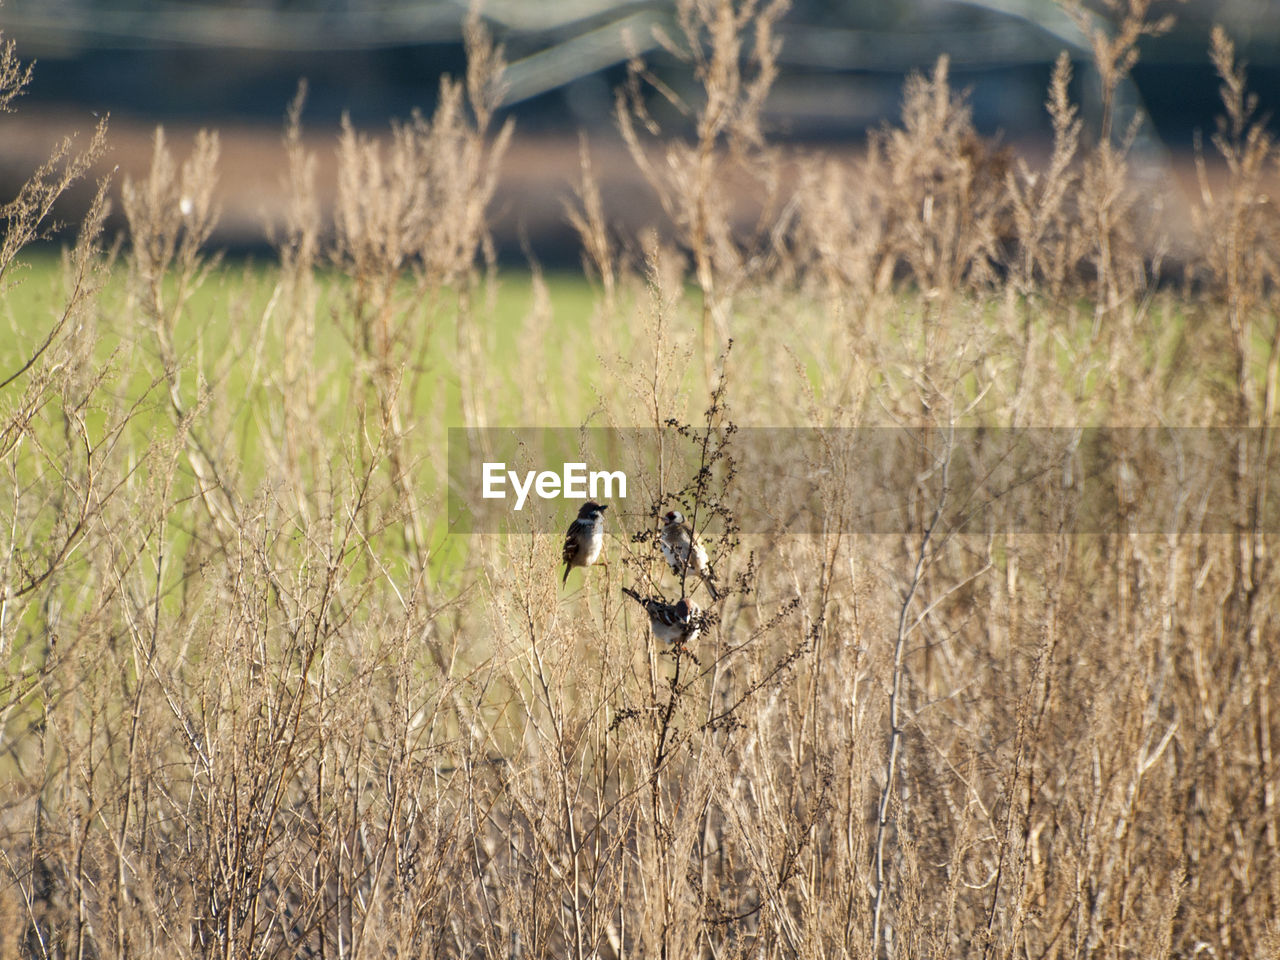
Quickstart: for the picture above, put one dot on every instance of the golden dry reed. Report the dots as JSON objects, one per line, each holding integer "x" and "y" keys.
{"x": 256, "y": 701}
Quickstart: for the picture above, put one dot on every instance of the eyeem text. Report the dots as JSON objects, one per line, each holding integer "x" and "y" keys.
{"x": 573, "y": 482}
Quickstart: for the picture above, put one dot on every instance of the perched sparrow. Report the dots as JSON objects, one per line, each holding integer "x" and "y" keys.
{"x": 675, "y": 542}
{"x": 585, "y": 538}
{"x": 677, "y": 622}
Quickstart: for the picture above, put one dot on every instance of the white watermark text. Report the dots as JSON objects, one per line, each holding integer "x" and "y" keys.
{"x": 573, "y": 482}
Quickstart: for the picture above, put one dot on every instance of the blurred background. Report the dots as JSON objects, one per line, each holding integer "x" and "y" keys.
{"x": 234, "y": 65}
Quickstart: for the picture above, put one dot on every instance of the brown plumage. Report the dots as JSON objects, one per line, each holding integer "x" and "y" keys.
{"x": 584, "y": 539}
{"x": 678, "y": 622}
{"x": 683, "y": 551}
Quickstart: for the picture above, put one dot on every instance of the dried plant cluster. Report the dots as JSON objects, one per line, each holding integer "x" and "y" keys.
{"x": 255, "y": 701}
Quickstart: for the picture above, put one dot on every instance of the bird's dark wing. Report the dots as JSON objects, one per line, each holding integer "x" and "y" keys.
{"x": 572, "y": 541}
{"x": 664, "y": 613}
{"x": 572, "y": 544}
{"x": 651, "y": 606}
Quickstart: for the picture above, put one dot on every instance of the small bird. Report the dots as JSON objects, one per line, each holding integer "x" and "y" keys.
{"x": 678, "y": 622}
{"x": 583, "y": 542}
{"x": 675, "y": 542}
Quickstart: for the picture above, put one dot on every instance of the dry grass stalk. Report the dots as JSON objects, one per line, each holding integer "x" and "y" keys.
{"x": 691, "y": 181}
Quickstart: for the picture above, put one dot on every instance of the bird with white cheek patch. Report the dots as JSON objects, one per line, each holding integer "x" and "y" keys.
{"x": 584, "y": 539}
{"x": 678, "y": 622}
{"x": 683, "y": 550}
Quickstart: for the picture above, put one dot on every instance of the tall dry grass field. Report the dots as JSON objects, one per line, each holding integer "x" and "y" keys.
{"x": 257, "y": 700}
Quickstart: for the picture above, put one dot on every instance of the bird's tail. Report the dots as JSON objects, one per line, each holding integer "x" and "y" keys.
{"x": 712, "y": 588}
{"x": 633, "y": 595}
{"x": 565, "y": 578}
